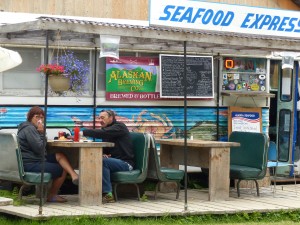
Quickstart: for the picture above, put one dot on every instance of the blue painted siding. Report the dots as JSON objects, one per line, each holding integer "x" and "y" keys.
{"x": 163, "y": 122}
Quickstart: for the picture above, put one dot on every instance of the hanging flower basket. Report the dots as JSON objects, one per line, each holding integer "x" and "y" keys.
{"x": 77, "y": 69}
{"x": 67, "y": 73}
{"x": 59, "y": 83}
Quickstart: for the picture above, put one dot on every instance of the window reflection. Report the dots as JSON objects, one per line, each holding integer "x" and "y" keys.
{"x": 284, "y": 134}
{"x": 286, "y": 85}
{"x": 275, "y": 68}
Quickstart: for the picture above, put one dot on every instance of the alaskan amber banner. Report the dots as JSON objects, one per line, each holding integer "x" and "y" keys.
{"x": 131, "y": 78}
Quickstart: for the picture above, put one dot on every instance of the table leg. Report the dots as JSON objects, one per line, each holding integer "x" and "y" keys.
{"x": 166, "y": 156}
{"x": 219, "y": 181}
{"x": 90, "y": 182}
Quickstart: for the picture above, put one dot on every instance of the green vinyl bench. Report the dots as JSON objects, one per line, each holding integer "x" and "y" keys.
{"x": 161, "y": 174}
{"x": 11, "y": 164}
{"x": 249, "y": 160}
{"x": 138, "y": 175}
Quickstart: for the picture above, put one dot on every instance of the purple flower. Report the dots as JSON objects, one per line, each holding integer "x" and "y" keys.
{"x": 78, "y": 71}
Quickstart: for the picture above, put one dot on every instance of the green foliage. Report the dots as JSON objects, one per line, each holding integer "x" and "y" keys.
{"x": 78, "y": 70}
{"x": 149, "y": 185}
{"x": 195, "y": 184}
{"x": 144, "y": 198}
{"x": 5, "y": 194}
{"x": 14, "y": 194}
{"x": 270, "y": 218}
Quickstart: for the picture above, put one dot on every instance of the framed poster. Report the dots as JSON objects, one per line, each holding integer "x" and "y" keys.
{"x": 244, "y": 119}
{"x": 132, "y": 78}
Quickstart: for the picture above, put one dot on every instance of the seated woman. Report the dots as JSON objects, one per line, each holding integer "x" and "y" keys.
{"x": 31, "y": 140}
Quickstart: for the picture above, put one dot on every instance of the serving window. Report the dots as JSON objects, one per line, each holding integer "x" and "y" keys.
{"x": 244, "y": 74}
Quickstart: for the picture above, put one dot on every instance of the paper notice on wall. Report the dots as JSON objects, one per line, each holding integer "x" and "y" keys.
{"x": 109, "y": 46}
{"x": 246, "y": 121}
{"x": 287, "y": 61}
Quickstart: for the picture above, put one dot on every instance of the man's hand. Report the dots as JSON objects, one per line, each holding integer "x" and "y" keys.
{"x": 106, "y": 156}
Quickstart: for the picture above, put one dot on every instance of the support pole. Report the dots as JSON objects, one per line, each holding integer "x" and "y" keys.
{"x": 95, "y": 89}
{"x": 185, "y": 131}
{"x": 46, "y": 59}
{"x": 218, "y": 97}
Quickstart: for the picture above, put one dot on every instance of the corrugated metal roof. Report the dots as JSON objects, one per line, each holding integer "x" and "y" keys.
{"x": 84, "y": 32}
{"x": 154, "y": 28}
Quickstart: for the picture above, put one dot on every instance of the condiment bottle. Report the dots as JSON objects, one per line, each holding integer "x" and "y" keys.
{"x": 76, "y": 134}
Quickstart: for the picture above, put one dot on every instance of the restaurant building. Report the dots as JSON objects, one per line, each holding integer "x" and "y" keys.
{"x": 234, "y": 53}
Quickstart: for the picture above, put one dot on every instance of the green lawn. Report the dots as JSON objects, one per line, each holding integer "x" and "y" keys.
{"x": 279, "y": 218}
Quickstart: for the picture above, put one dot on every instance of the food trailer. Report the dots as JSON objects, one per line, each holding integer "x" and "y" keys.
{"x": 231, "y": 63}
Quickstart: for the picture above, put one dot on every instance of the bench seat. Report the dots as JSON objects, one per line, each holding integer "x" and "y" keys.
{"x": 126, "y": 176}
{"x": 244, "y": 172}
{"x": 162, "y": 174}
{"x": 35, "y": 178}
{"x": 11, "y": 164}
{"x": 172, "y": 174}
{"x": 249, "y": 160}
{"x": 139, "y": 173}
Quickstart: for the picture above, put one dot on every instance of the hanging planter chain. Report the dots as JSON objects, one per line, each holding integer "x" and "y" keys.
{"x": 59, "y": 83}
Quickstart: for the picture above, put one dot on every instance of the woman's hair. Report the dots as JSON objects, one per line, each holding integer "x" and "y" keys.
{"x": 35, "y": 110}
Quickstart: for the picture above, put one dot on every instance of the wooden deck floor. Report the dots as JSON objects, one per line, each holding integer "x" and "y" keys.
{"x": 285, "y": 198}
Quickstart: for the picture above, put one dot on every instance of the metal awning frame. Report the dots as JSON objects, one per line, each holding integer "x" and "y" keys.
{"x": 86, "y": 34}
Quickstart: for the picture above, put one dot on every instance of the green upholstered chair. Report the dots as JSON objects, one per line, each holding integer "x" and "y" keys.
{"x": 162, "y": 174}
{"x": 139, "y": 173}
{"x": 11, "y": 164}
{"x": 249, "y": 161}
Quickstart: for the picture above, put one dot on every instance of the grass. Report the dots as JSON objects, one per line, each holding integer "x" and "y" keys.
{"x": 274, "y": 218}
{"x": 13, "y": 195}
{"x": 278, "y": 218}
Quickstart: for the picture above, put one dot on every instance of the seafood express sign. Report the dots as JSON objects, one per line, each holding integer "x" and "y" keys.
{"x": 131, "y": 78}
{"x": 189, "y": 14}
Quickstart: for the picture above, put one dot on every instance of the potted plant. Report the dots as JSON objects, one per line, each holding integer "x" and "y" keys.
{"x": 78, "y": 70}
{"x": 67, "y": 66}
{"x": 49, "y": 69}
{"x": 58, "y": 80}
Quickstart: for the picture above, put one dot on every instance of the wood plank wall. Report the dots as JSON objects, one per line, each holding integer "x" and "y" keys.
{"x": 284, "y": 4}
{"x": 119, "y": 9}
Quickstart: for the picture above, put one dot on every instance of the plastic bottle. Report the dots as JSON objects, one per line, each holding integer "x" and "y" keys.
{"x": 76, "y": 134}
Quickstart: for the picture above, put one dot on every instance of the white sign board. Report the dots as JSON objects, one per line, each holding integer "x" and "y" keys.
{"x": 196, "y": 15}
{"x": 245, "y": 121}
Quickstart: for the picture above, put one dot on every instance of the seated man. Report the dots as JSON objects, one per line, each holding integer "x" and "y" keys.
{"x": 118, "y": 158}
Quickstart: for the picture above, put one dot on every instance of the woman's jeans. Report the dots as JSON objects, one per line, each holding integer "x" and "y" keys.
{"x": 111, "y": 165}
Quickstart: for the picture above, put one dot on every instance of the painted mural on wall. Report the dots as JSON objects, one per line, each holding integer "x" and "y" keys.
{"x": 162, "y": 122}
{"x": 144, "y": 122}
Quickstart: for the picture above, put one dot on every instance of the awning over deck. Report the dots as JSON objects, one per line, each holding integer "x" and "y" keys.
{"x": 84, "y": 32}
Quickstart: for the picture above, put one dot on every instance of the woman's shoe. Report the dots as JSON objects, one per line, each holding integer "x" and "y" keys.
{"x": 75, "y": 181}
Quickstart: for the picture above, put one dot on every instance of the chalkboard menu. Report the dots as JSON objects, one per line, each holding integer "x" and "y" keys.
{"x": 199, "y": 70}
